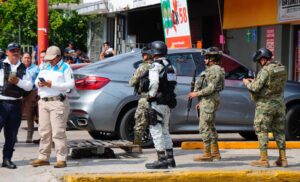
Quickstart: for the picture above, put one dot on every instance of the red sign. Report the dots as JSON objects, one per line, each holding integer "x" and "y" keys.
{"x": 270, "y": 40}
{"x": 176, "y": 23}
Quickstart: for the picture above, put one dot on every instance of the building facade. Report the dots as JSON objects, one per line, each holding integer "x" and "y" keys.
{"x": 244, "y": 25}
{"x": 250, "y": 25}
{"x": 128, "y": 24}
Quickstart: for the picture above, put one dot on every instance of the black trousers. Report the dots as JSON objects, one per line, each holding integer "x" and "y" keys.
{"x": 10, "y": 120}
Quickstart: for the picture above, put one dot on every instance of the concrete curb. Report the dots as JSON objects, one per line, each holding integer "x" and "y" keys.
{"x": 191, "y": 176}
{"x": 238, "y": 145}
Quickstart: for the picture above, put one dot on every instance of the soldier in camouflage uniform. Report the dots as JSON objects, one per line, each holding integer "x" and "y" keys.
{"x": 267, "y": 92}
{"x": 207, "y": 89}
{"x": 140, "y": 120}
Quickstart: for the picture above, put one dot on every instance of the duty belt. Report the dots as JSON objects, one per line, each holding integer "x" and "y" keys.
{"x": 54, "y": 98}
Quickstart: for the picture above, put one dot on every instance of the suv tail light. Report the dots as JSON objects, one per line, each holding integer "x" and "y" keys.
{"x": 91, "y": 83}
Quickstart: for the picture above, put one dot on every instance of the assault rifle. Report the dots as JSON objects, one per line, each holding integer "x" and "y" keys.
{"x": 189, "y": 104}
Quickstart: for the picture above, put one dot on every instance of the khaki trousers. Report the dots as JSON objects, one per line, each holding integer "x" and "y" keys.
{"x": 52, "y": 126}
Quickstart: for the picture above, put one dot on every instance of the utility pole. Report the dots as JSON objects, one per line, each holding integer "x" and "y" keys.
{"x": 42, "y": 26}
{"x": 19, "y": 34}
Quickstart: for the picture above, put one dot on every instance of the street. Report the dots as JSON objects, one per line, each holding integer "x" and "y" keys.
{"x": 231, "y": 159}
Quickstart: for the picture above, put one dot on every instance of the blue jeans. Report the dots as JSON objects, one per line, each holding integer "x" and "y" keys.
{"x": 10, "y": 119}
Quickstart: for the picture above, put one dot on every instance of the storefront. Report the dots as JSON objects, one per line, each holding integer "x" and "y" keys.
{"x": 273, "y": 24}
{"x": 132, "y": 23}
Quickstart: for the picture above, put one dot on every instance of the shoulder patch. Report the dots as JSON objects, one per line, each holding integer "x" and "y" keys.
{"x": 152, "y": 66}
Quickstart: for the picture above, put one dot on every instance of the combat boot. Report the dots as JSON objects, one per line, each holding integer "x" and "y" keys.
{"x": 206, "y": 155}
{"x": 263, "y": 161}
{"x": 215, "y": 153}
{"x": 281, "y": 161}
{"x": 138, "y": 142}
{"x": 161, "y": 163}
{"x": 170, "y": 158}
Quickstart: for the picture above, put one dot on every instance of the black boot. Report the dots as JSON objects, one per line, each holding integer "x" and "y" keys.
{"x": 8, "y": 164}
{"x": 161, "y": 163}
{"x": 170, "y": 158}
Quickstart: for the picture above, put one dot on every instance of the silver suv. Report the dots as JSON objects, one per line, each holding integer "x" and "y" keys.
{"x": 104, "y": 104}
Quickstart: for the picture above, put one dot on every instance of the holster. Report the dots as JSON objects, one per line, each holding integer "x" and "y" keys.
{"x": 151, "y": 116}
{"x": 62, "y": 97}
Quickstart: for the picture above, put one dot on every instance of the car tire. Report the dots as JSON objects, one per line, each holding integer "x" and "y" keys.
{"x": 100, "y": 135}
{"x": 126, "y": 129}
{"x": 293, "y": 123}
{"x": 249, "y": 135}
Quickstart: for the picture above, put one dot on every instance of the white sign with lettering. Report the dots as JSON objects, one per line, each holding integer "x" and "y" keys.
{"x": 288, "y": 10}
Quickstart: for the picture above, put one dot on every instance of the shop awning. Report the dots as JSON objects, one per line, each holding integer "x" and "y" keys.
{"x": 249, "y": 13}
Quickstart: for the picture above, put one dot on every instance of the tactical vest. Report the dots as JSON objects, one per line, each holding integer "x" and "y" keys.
{"x": 221, "y": 82}
{"x": 9, "y": 89}
{"x": 204, "y": 80}
{"x": 277, "y": 76}
{"x": 167, "y": 83}
{"x": 276, "y": 80}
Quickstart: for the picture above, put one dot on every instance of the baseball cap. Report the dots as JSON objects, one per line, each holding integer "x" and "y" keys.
{"x": 52, "y": 52}
{"x": 13, "y": 45}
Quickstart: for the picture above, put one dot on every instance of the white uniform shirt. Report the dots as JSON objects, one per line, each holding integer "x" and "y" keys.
{"x": 154, "y": 75}
{"x": 61, "y": 76}
{"x": 25, "y": 83}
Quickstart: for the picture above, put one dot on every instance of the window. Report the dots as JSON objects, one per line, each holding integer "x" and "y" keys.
{"x": 137, "y": 64}
{"x": 183, "y": 63}
{"x": 199, "y": 60}
{"x": 233, "y": 70}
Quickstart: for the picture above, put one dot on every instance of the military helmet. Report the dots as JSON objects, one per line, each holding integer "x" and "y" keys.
{"x": 158, "y": 48}
{"x": 213, "y": 54}
{"x": 262, "y": 53}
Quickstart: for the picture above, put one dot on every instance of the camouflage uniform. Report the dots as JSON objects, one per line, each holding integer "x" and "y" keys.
{"x": 209, "y": 99}
{"x": 140, "y": 120}
{"x": 267, "y": 92}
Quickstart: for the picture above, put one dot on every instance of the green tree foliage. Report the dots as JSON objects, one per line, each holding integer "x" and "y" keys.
{"x": 64, "y": 25}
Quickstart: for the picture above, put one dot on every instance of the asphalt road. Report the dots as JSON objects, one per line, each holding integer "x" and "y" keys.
{"x": 231, "y": 159}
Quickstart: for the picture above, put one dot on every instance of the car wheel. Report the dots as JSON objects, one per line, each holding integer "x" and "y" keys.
{"x": 126, "y": 129}
{"x": 293, "y": 123}
{"x": 249, "y": 135}
{"x": 101, "y": 135}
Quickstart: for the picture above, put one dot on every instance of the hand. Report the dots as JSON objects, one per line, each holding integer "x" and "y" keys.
{"x": 41, "y": 84}
{"x": 192, "y": 95}
{"x": 13, "y": 80}
{"x": 48, "y": 83}
{"x": 245, "y": 81}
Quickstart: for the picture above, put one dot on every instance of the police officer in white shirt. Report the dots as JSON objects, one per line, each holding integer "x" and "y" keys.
{"x": 14, "y": 80}
{"x": 53, "y": 82}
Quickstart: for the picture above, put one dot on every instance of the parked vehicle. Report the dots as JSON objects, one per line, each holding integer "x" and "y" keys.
{"x": 78, "y": 65}
{"x": 104, "y": 104}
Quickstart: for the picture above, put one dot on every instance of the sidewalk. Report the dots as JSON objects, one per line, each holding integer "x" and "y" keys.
{"x": 235, "y": 162}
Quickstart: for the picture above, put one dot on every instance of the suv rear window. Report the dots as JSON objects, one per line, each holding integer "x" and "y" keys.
{"x": 233, "y": 70}
{"x": 183, "y": 63}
